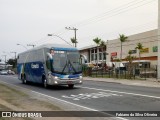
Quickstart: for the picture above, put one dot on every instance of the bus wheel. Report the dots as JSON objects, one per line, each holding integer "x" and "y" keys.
{"x": 71, "y": 86}
{"x": 45, "y": 85}
{"x": 24, "y": 81}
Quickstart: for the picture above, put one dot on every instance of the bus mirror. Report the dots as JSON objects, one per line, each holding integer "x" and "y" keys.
{"x": 83, "y": 59}
{"x": 50, "y": 56}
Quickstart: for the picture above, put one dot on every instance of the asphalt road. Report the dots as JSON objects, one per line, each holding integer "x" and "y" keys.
{"x": 101, "y": 96}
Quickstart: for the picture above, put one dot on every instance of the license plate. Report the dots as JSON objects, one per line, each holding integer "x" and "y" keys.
{"x": 69, "y": 82}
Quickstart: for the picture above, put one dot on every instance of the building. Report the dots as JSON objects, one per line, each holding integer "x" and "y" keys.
{"x": 148, "y": 39}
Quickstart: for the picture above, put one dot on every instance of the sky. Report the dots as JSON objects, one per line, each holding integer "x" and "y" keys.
{"x": 29, "y": 21}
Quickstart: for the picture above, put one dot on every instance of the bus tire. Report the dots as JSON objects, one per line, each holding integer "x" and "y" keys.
{"x": 71, "y": 86}
{"x": 23, "y": 77}
{"x": 45, "y": 85}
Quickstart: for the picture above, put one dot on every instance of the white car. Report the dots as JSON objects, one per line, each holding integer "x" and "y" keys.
{"x": 4, "y": 72}
{"x": 10, "y": 72}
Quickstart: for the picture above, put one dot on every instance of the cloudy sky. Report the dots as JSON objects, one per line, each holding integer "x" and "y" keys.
{"x": 29, "y": 21}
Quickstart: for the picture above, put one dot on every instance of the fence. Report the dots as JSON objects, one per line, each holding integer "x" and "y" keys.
{"x": 121, "y": 73}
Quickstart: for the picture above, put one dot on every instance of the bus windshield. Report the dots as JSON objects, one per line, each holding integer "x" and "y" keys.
{"x": 67, "y": 62}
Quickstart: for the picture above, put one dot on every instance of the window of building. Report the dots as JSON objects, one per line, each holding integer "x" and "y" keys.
{"x": 104, "y": 56}
{"x": 100, "y": 56}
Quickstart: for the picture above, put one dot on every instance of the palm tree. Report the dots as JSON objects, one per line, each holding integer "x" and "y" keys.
{"x": 97, "y": 41}
{"x": 139, "y": 47}
{"x": 122, "y": 39}
{"x": 74, "y": 41}
{"x": 103, "y": 46}
{"x": 130, "y": 59}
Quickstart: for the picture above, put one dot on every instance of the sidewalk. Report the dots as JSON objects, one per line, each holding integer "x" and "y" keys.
{"x": 147, "y": 83}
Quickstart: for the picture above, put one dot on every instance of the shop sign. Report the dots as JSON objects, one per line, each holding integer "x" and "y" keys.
{"x": 114, "y": 54}
{"x": 155, "y": 48}
{"x": 144, "y": 50}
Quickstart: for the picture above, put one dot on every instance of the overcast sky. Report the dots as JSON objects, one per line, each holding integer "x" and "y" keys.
{"x": 29, "y": 21}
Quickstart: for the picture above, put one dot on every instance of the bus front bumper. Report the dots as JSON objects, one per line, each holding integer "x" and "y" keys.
{"x": 65, "y": 81}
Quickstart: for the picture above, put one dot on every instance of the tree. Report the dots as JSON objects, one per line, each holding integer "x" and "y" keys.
{"x": 130, "y": 59}
{"x": 74, "y": 41}
{"x": 139, "y": 47}
{"x": 122, "y": 39}
{"x": 12, "y": 62}
{"x": 103, "y": 46}
{"x": 97, "y": 41}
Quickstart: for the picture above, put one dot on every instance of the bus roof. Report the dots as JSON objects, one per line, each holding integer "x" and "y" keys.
{"x": 58, "y": 47}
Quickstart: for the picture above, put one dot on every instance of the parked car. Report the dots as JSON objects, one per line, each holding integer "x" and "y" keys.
{"x": 4, "y": 72}
{"x": 10, "y": 72}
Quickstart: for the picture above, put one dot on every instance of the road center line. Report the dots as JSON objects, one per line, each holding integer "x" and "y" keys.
{"x": 121, "y": 92}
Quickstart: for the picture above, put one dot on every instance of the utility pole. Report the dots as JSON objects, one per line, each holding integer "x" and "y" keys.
{"x": 31, "y": 45}
{"x": 14, "y": 53}
{"x": 5, "y": 60}
{"x": 75, "y": 30}
{"x": 158, "y": 60}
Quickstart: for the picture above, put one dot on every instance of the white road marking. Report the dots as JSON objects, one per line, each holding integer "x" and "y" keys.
{"x": 112, "y": 91}
{"x": 122, "y": 92}
{"x": 90, "y": 95}
{"x": 61, "y": 100}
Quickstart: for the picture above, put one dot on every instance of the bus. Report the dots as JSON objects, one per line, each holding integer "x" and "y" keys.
{"x": 50, "y": 64}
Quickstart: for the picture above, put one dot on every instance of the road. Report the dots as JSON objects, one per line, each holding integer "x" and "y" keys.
{"x": 101, "y": 96}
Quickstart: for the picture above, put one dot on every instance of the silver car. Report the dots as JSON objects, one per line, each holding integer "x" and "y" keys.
{"x": 4, "y": 72}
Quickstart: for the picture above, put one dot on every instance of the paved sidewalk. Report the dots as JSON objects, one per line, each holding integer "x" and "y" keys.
{"x": 148, "y": 83}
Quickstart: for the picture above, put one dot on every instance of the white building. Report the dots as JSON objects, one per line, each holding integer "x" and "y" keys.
{"x": 148, "y": 39}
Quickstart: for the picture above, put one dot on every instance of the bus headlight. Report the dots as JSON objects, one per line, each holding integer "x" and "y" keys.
{"x": 80, "y": 77}
{"x": 55, "y": 77}
{"x": 55, "y": 82}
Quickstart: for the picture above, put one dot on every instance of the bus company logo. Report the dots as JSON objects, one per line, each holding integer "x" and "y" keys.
{"x": 34, "y": 66}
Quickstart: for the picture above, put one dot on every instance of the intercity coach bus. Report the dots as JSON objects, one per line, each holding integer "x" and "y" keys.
{"x": 50, "y": 64}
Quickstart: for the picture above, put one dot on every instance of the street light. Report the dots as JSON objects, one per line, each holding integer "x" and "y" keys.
{"x": 23, "y": 46}
{"x": 31, "y": 45}
{"x": 60, "y": 38}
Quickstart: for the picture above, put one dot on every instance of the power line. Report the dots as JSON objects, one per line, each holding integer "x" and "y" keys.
{"x": 130, "y": 29}
{"x": 117, "y": 11}
{"x": 105, "y": 13}
{"x": 152, "y": 40}
{"x": 113, "y": 11}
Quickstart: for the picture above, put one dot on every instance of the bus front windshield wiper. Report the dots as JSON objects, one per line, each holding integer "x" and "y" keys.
{"x": 64, "y": 67}
{"x": 72, "y": 66}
